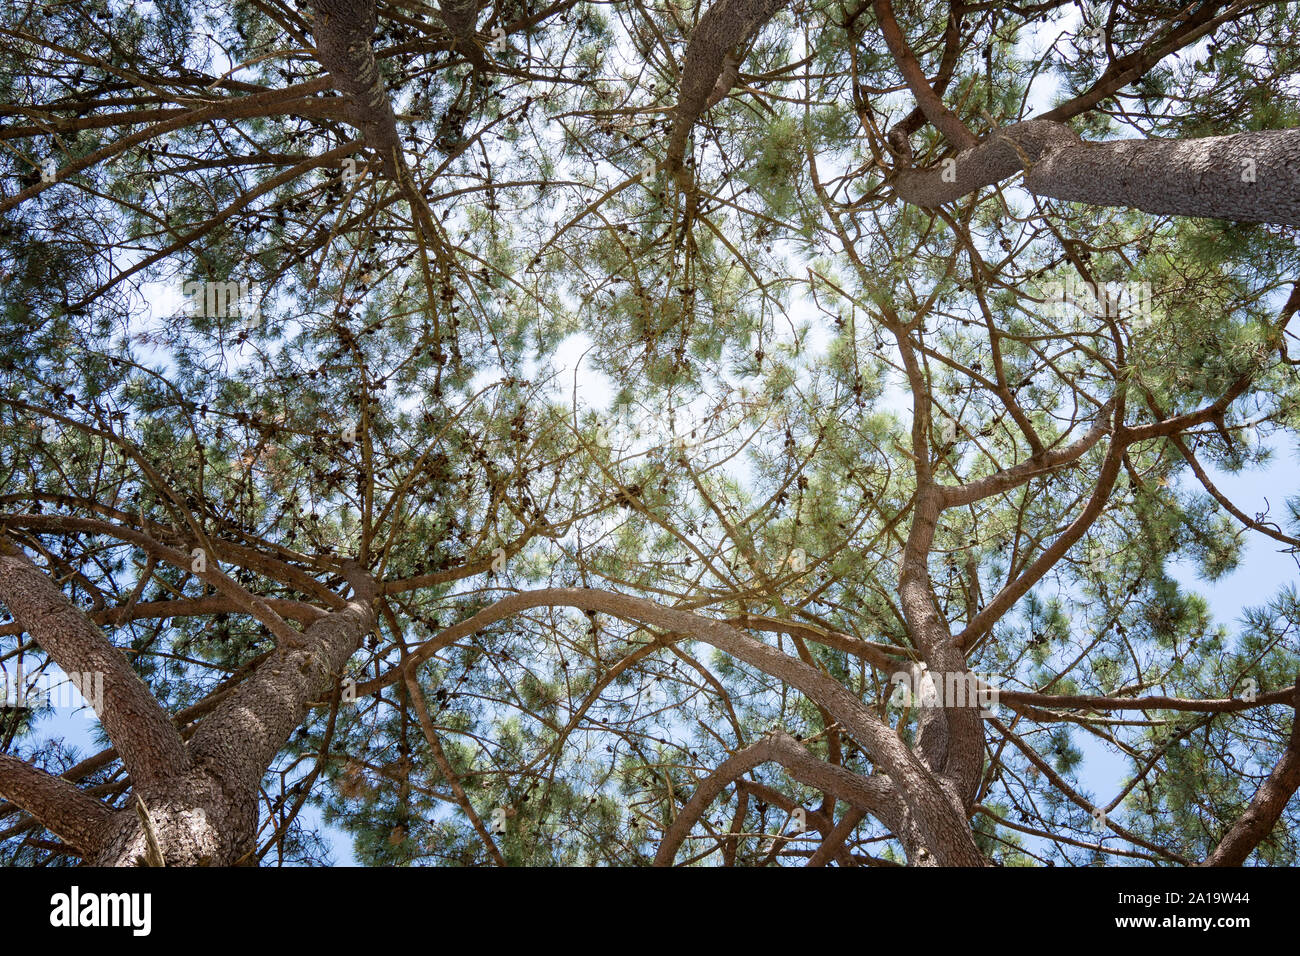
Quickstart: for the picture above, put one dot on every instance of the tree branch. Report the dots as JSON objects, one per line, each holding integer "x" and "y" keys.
{"x": 942, "y": 118}
{"x": 242, "y": 736}
{"x": 1267, "y": 806}
{"x": 74, "y": 817}
{"x": 1247, "y": 177}
{"x": 865, "y": 793}
{"x": 945, "y": 830}
{"x": 140, "y": 729}
{"x": 342, "y": 31}
{"x": 725, "y": 28}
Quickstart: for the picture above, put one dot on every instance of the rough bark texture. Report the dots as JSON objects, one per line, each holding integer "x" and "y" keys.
{"x": 196, "y": 821}
{"x": 149, "y": 745}
{"x": 201, "y": 799}
{"x": 954, "y": 747}
{"x": 999, "y": 156}
{"x": 75, "y": 818}
{"x": 460, "y": 16}
{"x": 1267, "y": 806}
{"x": 1248, "y": 177}
{"x": 716, "y": 41}
{"x": 209, "y": 816}
{"x": 342, "y": 30}
{"x": 241, "y": 738}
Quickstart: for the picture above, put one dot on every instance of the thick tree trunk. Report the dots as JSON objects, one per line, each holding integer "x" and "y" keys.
{"x": 1248, "y": 177}
{"x": 209, "y": 816}
{"x": 1267, "y": 806}
{"x": 144, "y": 737}
{"x": 196, "y": 822}
{"x": 201, "y": 799}
{"x": 342, "y": 30}
{"x": 461, "y": 16}
{"x": 712, "y": 62}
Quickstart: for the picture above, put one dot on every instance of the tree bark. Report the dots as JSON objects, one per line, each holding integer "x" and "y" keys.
{"x": 953, "y": 747}
{"x": 1246, "y": 177}
{"x": 200, "y": 800}
{"x": 209, "y": 816}
{"x": 342, "y": 31}
{"x": 460, "y": 17}
{"x": 141, "y": 732}
{"x": 714, "y": 49}
{"x": 72, "y": 816}
{"x": 1267, "y": 806}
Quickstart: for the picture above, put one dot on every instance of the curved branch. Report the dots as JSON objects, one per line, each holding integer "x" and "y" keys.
{"x": 869, "y": 794}
{"x": 940, "y": 821}
{"x": 74, "y": 817}
{"x": 1049, "y": 460}
{"x": 998, "y": 156}
{"x": 249, "y": 603}
{"x": 1268, "y": 803}
{"x": 942, "y": 118}
{"x": 188, "y": 607}
{"x": 140, "y": 729}
{"x": 717, "y": 39}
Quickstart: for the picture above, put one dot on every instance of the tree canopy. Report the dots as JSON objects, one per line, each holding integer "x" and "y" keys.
{"x": 927, "y": 334}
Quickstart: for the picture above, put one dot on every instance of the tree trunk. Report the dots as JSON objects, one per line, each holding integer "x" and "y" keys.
{"x": 196, "y": 822}
{"x": 1248, "y": 177}
{"x": 201, "y": 798}
{"x": 713, "y": 58}
{"x": 208, "y": 817}
{"x": 342, "y": 31}
{"x": 1267, "y": 806}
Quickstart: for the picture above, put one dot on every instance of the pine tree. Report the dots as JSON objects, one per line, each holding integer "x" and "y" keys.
{"x": 930, "y": 332}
